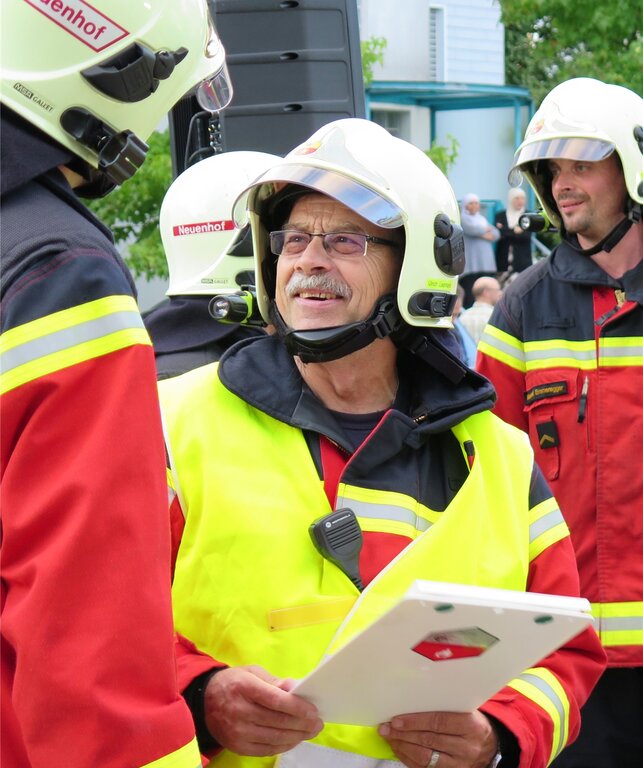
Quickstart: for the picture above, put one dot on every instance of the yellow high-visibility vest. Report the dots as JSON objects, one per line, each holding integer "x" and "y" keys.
{"x": 249, "y": 586}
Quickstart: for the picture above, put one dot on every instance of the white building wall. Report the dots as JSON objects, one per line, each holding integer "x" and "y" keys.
{"x": 473, "y": 54}
{"x": 473, "y": 39}
{"x": 485, "y": 151}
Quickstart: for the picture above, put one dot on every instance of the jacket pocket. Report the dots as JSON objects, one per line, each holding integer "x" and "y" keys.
{"x": 551, "y": 405}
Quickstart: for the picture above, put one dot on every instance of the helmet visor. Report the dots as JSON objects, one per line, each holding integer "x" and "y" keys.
{"x": 215, "y": 92}
{"x": 370, "y": 205}
{"x": 569, "y": 148}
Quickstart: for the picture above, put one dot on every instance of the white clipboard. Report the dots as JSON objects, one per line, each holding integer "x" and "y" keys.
{"x": 443, "y": 647}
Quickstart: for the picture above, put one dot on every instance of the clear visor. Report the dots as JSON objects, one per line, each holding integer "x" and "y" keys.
{"x": 215, "y": 93}
{"x": 369, "y": 204}
{"x": 574, "y": 148}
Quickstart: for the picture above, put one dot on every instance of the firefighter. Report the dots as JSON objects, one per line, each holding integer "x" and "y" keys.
{"x": 206, "y": 255}
{"x": 564, "y": 349}
{"x": 88, "y": 671}
{"x": 356, "y": 401}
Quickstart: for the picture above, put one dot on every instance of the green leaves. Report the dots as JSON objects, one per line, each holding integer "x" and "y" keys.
{"x": 372, "y": 53}
{"x": 444, "y": 156}
{"x": 548, "y": 41}
{"x": 132, "y": 210}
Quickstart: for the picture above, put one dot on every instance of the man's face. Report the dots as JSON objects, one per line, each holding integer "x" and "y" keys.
{"x": 316, "y": 289}
{"x": 473, "y": 207}
{"x": 590, "y": 196}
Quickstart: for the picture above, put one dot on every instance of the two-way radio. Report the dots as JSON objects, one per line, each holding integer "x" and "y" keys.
{"x": 338, "y": 538}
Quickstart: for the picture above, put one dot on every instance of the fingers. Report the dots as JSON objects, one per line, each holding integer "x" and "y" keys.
{"x": 248, "y": 713}
{"x": 463, "y": 740}
{"x": 416, "y": 748}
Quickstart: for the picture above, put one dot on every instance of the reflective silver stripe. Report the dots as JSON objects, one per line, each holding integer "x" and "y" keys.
{"x": 623, "y": 351}
{"x": 502, "y": 346}
{"x": 545, "y": 523}
{"x": 562, "y": 352}
{"x": 67, "y": 338}
{"x": 387, "y": 512}
{"x": 620, "y": 623}
{"x": 309, "y": 755}
{"x": 551, "y": 694}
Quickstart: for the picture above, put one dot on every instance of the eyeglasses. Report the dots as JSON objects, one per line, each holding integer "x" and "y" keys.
{"x": 291, "y": 242}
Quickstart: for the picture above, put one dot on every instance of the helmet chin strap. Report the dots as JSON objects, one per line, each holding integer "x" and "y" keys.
{"x": 611, "y": 239}
{"x": 321, "y": 345}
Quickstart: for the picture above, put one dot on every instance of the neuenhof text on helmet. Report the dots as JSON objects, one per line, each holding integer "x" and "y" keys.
{"x": 82, "y": 21}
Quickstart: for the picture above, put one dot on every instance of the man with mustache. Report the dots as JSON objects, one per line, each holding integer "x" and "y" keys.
{"x": 564, "y": 349}
{"x": 357, "y": 401}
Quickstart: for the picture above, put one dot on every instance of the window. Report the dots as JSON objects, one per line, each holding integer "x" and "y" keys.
{"x": 396, "y": 121}
{"x": 436, "y": 44}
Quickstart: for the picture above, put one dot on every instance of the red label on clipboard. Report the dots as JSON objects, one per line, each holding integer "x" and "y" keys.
{"x": 455, "y": 644}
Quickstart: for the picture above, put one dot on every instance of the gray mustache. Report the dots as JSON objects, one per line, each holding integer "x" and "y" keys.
{"x": 325, "y": 283}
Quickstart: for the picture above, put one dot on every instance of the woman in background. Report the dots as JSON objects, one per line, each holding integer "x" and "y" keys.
{"x": 513, "y": 251}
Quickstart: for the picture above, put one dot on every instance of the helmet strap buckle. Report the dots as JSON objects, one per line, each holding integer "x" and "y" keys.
{"x": 120, "y": 155}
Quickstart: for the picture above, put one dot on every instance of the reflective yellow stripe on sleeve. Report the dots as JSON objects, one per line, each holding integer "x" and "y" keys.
{"x": 546, "y": 526}
{"x": 619, "y": 623}
{"x": 186, "y": 757}
{"x": 503, "y": 347}
{"x": 68, "y": 337}
{"x": 543, "y": 688}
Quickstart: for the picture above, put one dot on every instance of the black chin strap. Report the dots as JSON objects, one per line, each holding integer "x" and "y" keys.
{"x": 321, "y": 345}
{"x": 611, "y": 239}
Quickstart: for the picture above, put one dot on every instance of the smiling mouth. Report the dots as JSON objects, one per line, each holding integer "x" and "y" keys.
{"x": 568, "y": 204}
{"x": 317, "y": 295}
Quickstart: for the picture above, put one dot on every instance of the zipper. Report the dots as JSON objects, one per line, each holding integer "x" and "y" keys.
{"x": 470, "y": 450}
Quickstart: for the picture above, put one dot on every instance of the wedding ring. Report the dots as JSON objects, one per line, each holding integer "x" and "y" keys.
{"x": 435, "y": 756}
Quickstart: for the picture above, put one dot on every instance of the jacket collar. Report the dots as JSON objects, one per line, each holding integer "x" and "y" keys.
{"x": 263, "y": 373}
{"x": 569, "y": 266}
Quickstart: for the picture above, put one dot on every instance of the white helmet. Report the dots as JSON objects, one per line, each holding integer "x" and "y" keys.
{"x": 204, "y": 249}
{"x": 99, "y": 77}
{"x": 387, "y": 181}
{"x": 582, "y": 119}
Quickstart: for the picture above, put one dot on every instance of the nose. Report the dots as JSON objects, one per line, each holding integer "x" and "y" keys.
{"x": 314, "y": 257}
{"x": 561, "y": 180}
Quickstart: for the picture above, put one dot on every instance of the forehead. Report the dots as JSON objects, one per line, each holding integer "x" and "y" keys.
{"x": 316, "y": 206}
{"x": 609, "y": 165}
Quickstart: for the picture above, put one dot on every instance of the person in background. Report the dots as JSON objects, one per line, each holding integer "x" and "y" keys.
{"x": 564, "y": 349}
{"x": 206, "y": 255}
{"x": 479, "y": 237}
{"x": 354, "y": 402}
{"x": 87, "y": 643}
{"x": 513, "y": 249}
{"x": 466, "y": 343}
{"x": 486, "y": 293}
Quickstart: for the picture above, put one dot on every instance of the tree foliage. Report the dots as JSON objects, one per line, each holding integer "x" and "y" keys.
{"x": 372, "y": 54}
{"x": 444, "y": 155}
{"x": 132, "y": 210}
{"x": 548, "y": 41}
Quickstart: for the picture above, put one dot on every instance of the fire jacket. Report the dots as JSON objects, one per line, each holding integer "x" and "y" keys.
{"x": 88, "y": 668}
{"x": 255, "y": 457}
{"x": 564, "y": 349}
